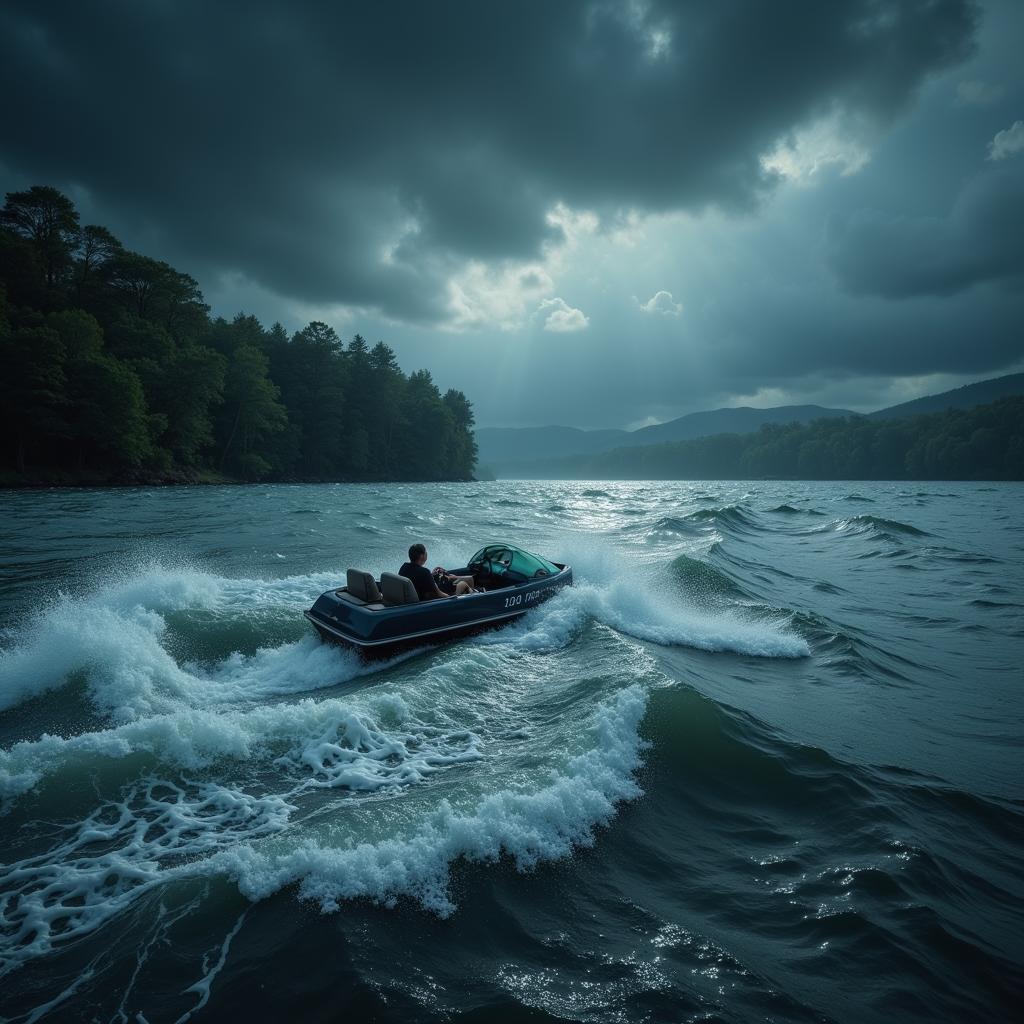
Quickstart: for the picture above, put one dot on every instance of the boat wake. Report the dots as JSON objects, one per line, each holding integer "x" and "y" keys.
{"x": 165, "y": 827}
{"x": 135, "y": 644}
{"x": 219, "y": 766}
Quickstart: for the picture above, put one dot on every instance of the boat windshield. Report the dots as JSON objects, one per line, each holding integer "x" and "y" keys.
{"x": 506, "y": 558}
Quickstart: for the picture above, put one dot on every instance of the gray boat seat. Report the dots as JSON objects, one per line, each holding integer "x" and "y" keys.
{"x": 362, "y": 585}
{"x": 397, "y": 589}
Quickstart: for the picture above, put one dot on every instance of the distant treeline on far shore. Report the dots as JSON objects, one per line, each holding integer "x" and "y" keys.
{"x": 983, "y": 443}
{"x": 111, "y": 369}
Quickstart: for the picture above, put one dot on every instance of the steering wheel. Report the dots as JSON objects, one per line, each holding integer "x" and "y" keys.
{"x": 481, "y": 565}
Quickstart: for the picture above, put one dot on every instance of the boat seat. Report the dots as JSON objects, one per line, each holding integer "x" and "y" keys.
{"x": 397, "y": 589}
{"x": 361, "y": 584}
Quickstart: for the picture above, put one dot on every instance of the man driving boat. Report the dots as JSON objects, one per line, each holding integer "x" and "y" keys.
{"x": 432, "y": 585}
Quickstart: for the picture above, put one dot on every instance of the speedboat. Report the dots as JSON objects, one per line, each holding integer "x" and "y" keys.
{"x": 382, "y": 616}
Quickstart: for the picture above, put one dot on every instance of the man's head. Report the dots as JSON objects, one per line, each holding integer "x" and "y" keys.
{"x": 417, "y": 554}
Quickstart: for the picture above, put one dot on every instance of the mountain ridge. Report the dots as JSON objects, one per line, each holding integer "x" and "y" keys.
{"x": 513, "y": 446}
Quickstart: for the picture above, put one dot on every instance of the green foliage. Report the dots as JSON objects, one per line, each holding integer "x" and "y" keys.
{"x": 111, "y": 422}
{"x": 31, "y": 389}
{"x": 48, "y": 221}
{"x": 983, "y": 443}
{"x": 251, "y": 413}
{"x": 113, "y": 367}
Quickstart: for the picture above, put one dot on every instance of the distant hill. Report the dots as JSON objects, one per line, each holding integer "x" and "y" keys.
{"x": 739, "y": 420}
{"x": 966, "y": 397}
{"x": 985, "y": 442}
{"x": 500, "y": 447}
{"x": 504, "y": 444}
{"x": 509, "y": 451}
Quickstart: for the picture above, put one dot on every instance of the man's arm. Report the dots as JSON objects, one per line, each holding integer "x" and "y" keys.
{"x": 438, "y": 592}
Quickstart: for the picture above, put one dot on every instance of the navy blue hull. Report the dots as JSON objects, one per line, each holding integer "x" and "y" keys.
{"x": 380, "y": 631}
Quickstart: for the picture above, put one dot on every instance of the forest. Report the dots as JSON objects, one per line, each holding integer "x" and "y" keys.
{"x": 982, "y": 443}
{"x": 113, "y": 371}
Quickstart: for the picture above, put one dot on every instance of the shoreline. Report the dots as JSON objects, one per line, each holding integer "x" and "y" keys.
{"x": 200, "y": 480}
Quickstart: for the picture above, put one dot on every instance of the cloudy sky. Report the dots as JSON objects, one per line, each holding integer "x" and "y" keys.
{"x": 593, "y": 213}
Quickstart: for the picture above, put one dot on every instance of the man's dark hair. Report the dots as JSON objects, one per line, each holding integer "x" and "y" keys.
{"x": 415, "y": 551}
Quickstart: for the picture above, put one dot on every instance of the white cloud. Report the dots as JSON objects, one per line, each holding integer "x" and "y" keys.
{"x": 830, "y": 142}
{"x": 576, "y": 225}
{"x": 562, "y": 318}
{"x": 501, "y": 297}
{"x": 977, "y": 94}
{"x": 663, "y": 303}
{"x": 505, "y": 296}
{"x": 1007, "y": 142}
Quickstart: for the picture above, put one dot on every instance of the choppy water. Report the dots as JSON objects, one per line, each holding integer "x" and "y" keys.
{"x": 763, "y": 762}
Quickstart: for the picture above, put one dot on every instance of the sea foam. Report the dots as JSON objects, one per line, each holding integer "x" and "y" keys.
{"x": 329, "y": 743}
{"x": 528, "y": 827}
{"x": 115, "y": 638}
{"x": 161, "y": 831}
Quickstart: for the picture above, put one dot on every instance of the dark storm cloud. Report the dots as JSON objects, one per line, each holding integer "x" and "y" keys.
{"x": 981, "y": 240}
{"x": 338, "y": 153}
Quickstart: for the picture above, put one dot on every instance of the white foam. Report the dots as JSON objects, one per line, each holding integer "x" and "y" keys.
{"x": 528, "y": 827}
{"x": 634, "y": 597}
{"x": 114, "y": 637}
{"x": 118, "y": 853}
{"x": 327, "y": 743}
{"x": 159, "y": 831}
{"x": 205, "y": 983}
{"x": 629, "y": 608}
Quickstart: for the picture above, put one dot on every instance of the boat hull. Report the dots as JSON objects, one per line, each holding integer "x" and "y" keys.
{"x": 377, "y": 631}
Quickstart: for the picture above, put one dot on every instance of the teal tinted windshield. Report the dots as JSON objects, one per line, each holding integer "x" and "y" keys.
{"x": 515, "y": 560}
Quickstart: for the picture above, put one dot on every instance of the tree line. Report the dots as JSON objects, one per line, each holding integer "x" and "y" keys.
{"x": 983, "y": 443}
{"x": 113, "y": 369}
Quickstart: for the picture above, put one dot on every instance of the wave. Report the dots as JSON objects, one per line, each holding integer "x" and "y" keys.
{"x": 161, "y": 831}
{"x": 669, "y": 524}
{"x": 946, "y": 554}
{"x": 116, "y": 639}
{"x": 789, "y": 510}
{"x": 118, "y": 642}
{"x": 654, "y": 616}
{"x": 730, "y": 518}
{"x": 528, "y": 827}
{"x": 644, "y": 604}
{"x": 847, "y": 653}
{"x": 735, "y": 517}
{"x": 866, "y": 524}
{"x": 117, "y": 854}
{"x": 702, "y": 580}
{"x": 328, "y": 743}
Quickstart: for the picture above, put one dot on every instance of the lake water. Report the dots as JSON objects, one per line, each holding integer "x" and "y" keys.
{"x": 762, "y": 762}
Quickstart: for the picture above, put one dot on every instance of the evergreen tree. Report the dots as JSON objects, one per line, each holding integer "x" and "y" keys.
{"x": 252, "y": 412}
{"x": 113, "y": 364}
{"x": 983, "y": 443}
{"x": 32, "y": 389}
{"x": 48, "y": 221}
